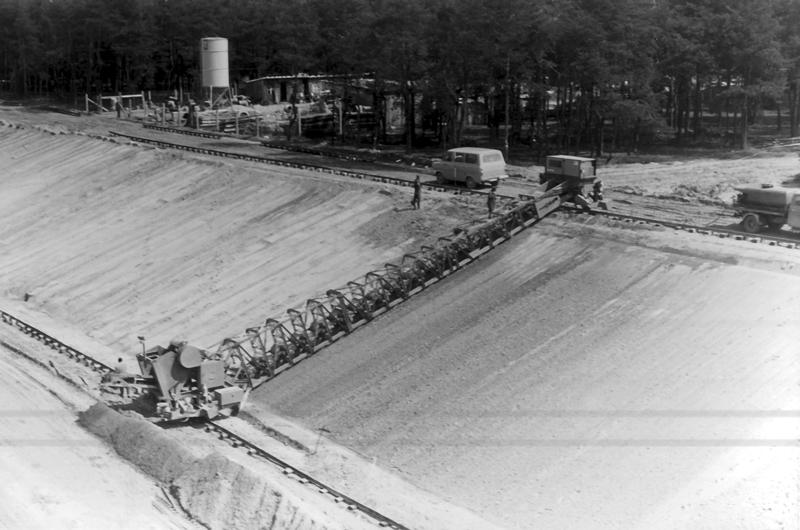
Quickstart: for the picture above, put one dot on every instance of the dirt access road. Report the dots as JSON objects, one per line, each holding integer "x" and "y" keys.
{"x": 582, "y": 376}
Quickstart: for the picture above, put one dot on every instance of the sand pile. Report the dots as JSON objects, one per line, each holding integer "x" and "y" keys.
{"x": 139, "y": 442}
{"x": 222, "y": 494}
{"x": 214, "y": 491}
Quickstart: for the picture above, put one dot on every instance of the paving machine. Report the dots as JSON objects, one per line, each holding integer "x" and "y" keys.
{"x": 194, "y": 383}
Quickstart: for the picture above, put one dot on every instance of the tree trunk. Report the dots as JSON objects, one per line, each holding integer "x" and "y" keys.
{"x": 544, "y": 139}
{"x": 719, "y": 107}
{"x": 579, "y": 125}
{"x": 744, "y": 122}
{"x": 412, "y": 114}
{"x": 678, "y": 112}
{"x": 698, "y": 106}
{"x": 343, "y": 121}
{"x": 670, "y": 99}
{"x": 377, "y": 112}
{"x": 793, "y": 101}
{"x": 462, "y": 121}
{"x": 601, "y": 134}
{"x": 508, "y": 87}
{"x": 407, "y": 117}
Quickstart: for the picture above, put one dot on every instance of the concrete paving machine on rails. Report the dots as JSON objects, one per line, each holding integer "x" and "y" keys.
{"x": 190, "y": 382}
{"x": 767, "y": 206}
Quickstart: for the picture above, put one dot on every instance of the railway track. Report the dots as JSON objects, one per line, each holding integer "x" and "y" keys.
{"x": 212, "y": 427}
{"x": 265, "y": 143}
{"x": 292, "y": 472}
{"x": 308, "y": 167}
{"x": 722, "y": 233}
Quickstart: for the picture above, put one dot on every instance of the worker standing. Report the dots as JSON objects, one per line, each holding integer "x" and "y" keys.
{"x": 415, "y": 202}
{"x": 491, "y": 201}
{"x": 120, "y": 367}
{"x": 597, "y": 191}
{"x": 120, "y": 373}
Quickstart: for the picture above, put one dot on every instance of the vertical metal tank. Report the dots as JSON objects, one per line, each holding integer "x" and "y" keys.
{"x": 214, "y": 62}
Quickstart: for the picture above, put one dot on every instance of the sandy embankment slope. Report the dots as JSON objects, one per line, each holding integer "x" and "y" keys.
{"x": 118, "y": 240}
{"x": 582, "y": 377}
{"x": 55, "y": 474}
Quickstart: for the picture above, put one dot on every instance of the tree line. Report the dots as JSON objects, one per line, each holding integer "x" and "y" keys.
{"x": 580, "y": 74}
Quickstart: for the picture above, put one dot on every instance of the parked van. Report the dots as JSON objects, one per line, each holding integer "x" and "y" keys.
{"x": 472, "y": 165}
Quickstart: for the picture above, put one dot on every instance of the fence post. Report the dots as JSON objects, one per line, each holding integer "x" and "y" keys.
{"x": 163, "y": 114}
{"x": 216, "y": 119}
{"x": 236, "y": 117}
{"x": 257, "y": 126}
{"x": 87, "y": 102}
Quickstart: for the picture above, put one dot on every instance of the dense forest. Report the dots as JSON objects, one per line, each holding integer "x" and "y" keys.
{"x": 602, "y": 71}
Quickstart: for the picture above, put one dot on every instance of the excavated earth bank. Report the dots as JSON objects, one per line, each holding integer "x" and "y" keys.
{"x": 582, "y": 376}
{"x": 120, "y": 240}
{"x": 217, "y": 493}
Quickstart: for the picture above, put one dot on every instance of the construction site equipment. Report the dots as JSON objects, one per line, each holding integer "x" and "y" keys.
{"x": 204, "y": 383}
{"x": 568, "y": 166}
{"x": 191, "y": 382}
{"x": 767, "y": 206}
{"x": 572, "y": 173}
{"x": 217, "y": 430}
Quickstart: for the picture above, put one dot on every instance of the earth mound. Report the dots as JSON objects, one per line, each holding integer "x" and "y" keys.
{"x": 217, "y": 493}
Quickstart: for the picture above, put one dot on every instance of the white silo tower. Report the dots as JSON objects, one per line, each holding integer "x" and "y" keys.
{"x": 214, "y": 64}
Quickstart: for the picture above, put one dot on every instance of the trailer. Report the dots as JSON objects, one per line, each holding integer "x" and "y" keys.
{"x": 767, "y": 206}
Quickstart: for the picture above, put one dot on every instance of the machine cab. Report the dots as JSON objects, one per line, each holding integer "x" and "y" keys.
{"x": 571, "y": 166}
{"x": 578, "y": 170}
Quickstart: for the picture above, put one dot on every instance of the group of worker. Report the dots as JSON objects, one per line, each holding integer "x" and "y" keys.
{"x": 491, "y": 198}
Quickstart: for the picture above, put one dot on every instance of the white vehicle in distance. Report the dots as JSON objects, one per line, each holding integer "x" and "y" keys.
{"x": 472, "y": 165}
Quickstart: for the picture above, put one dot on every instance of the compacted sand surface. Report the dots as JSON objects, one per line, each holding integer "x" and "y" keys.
{"x": 575, "y": 378}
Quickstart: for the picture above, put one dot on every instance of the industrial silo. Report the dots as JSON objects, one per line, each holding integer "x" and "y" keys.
{"x": 214, "y": 64}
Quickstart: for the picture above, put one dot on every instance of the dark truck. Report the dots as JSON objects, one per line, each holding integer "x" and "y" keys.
{"x": 768, "y": 206}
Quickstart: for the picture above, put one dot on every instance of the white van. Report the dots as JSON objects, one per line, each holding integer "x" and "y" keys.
{"x": 471, "y": 165}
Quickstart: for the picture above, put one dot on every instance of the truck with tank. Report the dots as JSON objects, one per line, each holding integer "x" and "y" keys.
{"x": 767, "y": 206}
